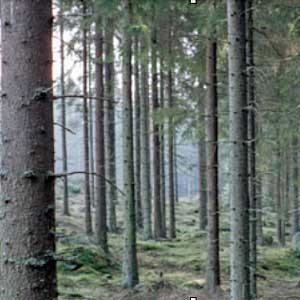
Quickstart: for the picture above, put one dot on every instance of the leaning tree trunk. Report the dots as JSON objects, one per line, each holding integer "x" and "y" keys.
{"x": 239, "y": 262}
{"x": 251, "y": 127}
{"x": 158, "y": 228}
{"x": 130, "y": 264}
{"x": 110, "y": 126}
{"x": 27, "y": 230}
{"x": 145, "y": 144}
{"x": 213, "y": 267}
{"x": 138, "y": 196}
{"x": 88, "y": 215}
{"x": 66, "y": 210}
{"x": 100, "y": 227}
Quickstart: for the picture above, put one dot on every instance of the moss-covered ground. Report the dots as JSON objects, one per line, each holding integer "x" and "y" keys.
{"x": 168, "y": 269}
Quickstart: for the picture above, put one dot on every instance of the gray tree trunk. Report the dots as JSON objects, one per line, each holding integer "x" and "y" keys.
{"x": 88, "y": 215}
{"x": 176, "y": 185}
{"x": 239, "y": 261}
{"x": 259, "y": 209}
{"x": 251, "y": 146}
{"x": 130, "y": 264}
{"x": 138, "y": 196}
{"x": 66, "y": 210}
{"x": 145, "y": 144}
{"x": 100, "y": 227}
{"x": 213, "y": 266}
{"x": 112, "y": 196}
{"x": 27, "y": 223}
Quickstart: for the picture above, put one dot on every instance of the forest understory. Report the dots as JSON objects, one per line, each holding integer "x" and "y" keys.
{"x": 169, "y": 269}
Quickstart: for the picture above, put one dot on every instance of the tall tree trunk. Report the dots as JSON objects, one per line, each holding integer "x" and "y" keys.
{"x": 251, "y": 127}
{"x": 137, "y": 97}
{"x": 101, "y": 228}
{"x": 66, "y": 210}
{"x": 295, "y": 182}
{"x": 259, "y": 211}
{"x": 176, "y": 184}
{"x": 158, "y": 228}
{"x": 88, "y": 215}
{"x": 27, "y": 231}
{"x": 91, "y": 119}
{"x": 145, "y": 145}
{"x": 213, "y": 267}
{"x": 239, "y": 262}
{"x": 130, "y": 264}
{"x": 110, "y": 126}
{"x": 162, "y": 151}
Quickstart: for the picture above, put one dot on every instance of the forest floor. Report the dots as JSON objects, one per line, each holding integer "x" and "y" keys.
{"x": 169, "y": 270}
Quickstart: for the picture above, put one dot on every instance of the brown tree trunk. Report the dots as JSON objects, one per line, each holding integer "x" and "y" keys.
{"x": 66, "y": 210}
{"x": 88, "y": 215}
{"x": 213, "y": 267}
{"x": 101, "y": 229}
{"x": 27, "y": 223}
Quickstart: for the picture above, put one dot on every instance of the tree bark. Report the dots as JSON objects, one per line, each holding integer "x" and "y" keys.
{"x": 239, "y": 261}
{"x": 66, "y": 210}
{"x": 137, "y": 97}
{"x": 112, "y": 196}
{"x": 27, "y": 230}
{"x": 213, "y": 267}
{"x": 176, "y": 184}
{"x": 145, "y": 144}
{"x": 158, "y": 228}
{"x": 101, "y": 227}
{"x": 130, "y": 264}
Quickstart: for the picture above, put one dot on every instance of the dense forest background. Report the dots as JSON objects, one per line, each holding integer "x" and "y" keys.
{"x": 150, "y": 149}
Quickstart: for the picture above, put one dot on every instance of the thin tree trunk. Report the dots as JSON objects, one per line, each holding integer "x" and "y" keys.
{"x": 162, "y": 151}
{"x": 259, "y": 212}
{"x": 101, "y": 228}
{"x": 213, "y": 267}
{"x": 66, "y": 210}
{"x": 110, "y": 126}
{"x": 27, "y": 231}
{"x": 239, "y": 261}
{"x": 91, "y": 120}
{"x": 130, "y": 264}
{"x": 88, "y": 215}
{"x": 138, "y": 196}
{"x": 252, "y": 147}
{"x": 158, "y": 228}
{"x": 295, "y": 182}
{"x": 176, "y": 184}
{"x": 145, "y": 145}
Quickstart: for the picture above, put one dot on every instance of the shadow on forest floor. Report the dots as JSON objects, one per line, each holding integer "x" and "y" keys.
{"x": 168, "y": 269}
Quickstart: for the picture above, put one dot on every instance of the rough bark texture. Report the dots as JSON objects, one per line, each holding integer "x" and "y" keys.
{"x": 295, "y": 182}
{"x": 251, "y": 127}
{"x": 87, "y": 191}
{"x": 100, "y": 228}
{"x": 137, "y": 173}
{"x": 110, "y": 126}
{"x": 158, "y": 228}
{"x": 213, "y": 266}
{"x": 145, "y": 144}
{"x": 130, "y": 264}
{"x": 66, "y": 210}
{"x": 27, "y": 231}
{"x": 239, "y": 261}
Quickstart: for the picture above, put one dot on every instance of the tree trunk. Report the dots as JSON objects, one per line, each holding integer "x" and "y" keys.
{"x": 145, "y": 145}
{"x": 213, "y": 267}
{"x": 27, "y": 231}
{"x": 239, "y": 262}
{"x": 130, "y": 264}
{"x": 295, "y": 182}
{"x": 251, "y": 127}
{"x": 138, "y": 196}
{"x": 101, "y": 228}
{"x": 176, "y": 185}
{"x": 162, "y": 151}
{"x": 158, "y": 228}
{"x": 66, "y": 210}
{"x": 259, "y": 211}
{"x": 110, "y": 126}
{"x": 88, "y": 215}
